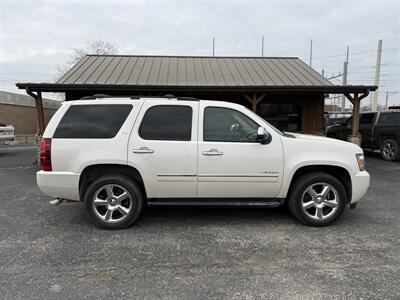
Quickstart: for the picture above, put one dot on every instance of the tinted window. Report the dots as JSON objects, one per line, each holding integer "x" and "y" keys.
{"x": 228, "y": 125}
{"x": 92, "y": 121}
{"x": 167, "y": 122}
{"x": 390, "y": 118}
{"x": 366, "y": 119}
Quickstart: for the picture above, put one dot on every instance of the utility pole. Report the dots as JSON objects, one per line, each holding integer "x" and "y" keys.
{"x": 213, "y": 47}
{"x": 311, "y": 53}
{"x": 262, "y": 46}
{"x": 374, "y": 100}
{"x": 345, "y": 67}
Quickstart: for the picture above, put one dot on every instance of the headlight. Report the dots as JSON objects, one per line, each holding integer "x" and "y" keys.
{"x": 361, "y": 161}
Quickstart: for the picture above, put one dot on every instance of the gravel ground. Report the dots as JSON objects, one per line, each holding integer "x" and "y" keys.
{"x": 187, "y": 253}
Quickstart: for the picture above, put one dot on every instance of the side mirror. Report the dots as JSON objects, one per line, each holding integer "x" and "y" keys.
{"x": 263, "y": 137}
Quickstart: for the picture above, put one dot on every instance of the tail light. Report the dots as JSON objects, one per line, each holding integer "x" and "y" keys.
{"x": 45, "y": 154}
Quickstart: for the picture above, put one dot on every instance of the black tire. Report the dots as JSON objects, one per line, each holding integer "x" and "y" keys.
{"x": 390, "y": 150}
{"x": 134, "y": 201}
{"x": 295, "y": 199}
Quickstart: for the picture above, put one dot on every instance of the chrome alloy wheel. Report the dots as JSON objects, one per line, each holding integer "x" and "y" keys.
{"x": 320, "y": 201}
{"x": 388, "y": 150}
{"x": 112, "y": 203}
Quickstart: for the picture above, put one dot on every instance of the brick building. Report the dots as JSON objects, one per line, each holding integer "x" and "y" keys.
{"x": 20, "y": 111}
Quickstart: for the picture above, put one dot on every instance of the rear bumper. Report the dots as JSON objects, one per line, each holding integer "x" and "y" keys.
{"x": 360, "y": 184}
{"x": 63, "y": 185}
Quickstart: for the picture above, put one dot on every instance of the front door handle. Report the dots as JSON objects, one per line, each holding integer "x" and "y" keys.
{"x": 143, "y": 150}
{"x": 213, "y": 152}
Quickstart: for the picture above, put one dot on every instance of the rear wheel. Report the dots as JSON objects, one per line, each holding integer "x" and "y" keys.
{"x": 390, "y": 150}
{"x": 317, "y": 199}
{"x": 113, "y": 202}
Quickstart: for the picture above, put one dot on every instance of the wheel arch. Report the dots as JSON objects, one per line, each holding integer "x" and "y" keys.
{"x": 92, "y": 172}
{"x": 338, "y": 172}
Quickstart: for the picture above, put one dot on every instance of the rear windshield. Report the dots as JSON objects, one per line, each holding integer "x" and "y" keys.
{"x": 92, "y": 121}
{"x": 390, "y": 118}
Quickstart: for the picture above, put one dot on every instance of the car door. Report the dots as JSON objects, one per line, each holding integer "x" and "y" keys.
{"x": 365, "y": 128}
{"x": 163, "y": 147}
{"x": 231, "y": 164}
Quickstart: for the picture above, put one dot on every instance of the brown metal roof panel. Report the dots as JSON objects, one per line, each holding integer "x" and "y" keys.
{"x": 80, "y": 70}
{"x": 173, "y": 71}
{"x": 288, "y": 69}
{"x": 163, "y": 74}
{"x": 318, "y": 77}
{"x": 154, "y": 72}
{"x": 218, "y": 76}
{"x": 265, "y": 77}
{"x": 93, "y": 78}
{"x": 124, "y": 70}
{"x": 181, "y": 72}
{"x": 223, "y": 66}
{"x": 82, "y": 79}
{"x": 135, "y": 70}
{"x": 253, "y": 74}
{"x": 208, "y": 72}
{"x": 199, "y": 70}
{"x": 274, "y": 72}
{"x": 145, "y": 72}
{"x": 116, "y": 68}
{"x": 102, "y": 79}
{"x": 302, "y": 72}
{"x": 237, "y": 78}
{"x": 71, "y": 71}
{"x": 293, "y": 79}
{"x": 191, "y": 76}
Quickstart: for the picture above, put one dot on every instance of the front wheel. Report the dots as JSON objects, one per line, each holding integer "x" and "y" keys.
{"x": 317, "y": 199}
{"x": 113, "y": 201}
{"x": 390, "y": 150}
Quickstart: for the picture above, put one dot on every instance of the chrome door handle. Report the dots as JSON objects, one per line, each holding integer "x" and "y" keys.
{"x": 213, "y": 152}
{"x": 143, "y": 150}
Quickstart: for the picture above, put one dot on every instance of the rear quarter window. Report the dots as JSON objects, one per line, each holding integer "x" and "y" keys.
{"x": 390, "y": 118}
{"x": 101, "y": 121}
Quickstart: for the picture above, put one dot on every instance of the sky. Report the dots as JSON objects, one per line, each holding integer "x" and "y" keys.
{"x": 35, "y": 36}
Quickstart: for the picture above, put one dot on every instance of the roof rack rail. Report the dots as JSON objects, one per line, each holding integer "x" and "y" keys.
{"x": 95, "y": 96}
{"x": 187, "y": 98}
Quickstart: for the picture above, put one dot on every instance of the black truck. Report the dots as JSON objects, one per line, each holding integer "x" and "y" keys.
{"x": 379, "y": 130}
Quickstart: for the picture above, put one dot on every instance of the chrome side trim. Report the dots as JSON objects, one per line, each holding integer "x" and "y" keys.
{"x": 176, "y": 175}
{"x": 237, "y": 175}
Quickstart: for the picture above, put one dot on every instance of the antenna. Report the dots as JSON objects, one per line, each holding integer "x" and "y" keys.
{"x": 262, "y": 46}
{"x": 213, "y": 50}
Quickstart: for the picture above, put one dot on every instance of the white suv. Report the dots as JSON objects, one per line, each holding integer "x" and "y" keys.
{"x": 119, "y": 154}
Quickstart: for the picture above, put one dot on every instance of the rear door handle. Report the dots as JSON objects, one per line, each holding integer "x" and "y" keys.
{"x": 143, "y": 150}
{"x": 213, "y": 152}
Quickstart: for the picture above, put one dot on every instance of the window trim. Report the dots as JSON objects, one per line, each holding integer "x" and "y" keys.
{"x": 229, "y": 108}
{"x": 167, "y": 140}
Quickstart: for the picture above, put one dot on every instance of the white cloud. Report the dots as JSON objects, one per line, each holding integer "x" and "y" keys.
{"x": 36, "y": 35}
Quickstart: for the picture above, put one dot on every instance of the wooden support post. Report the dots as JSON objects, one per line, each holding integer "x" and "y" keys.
{"x": 356, "y": 115}
{"x": 40, "y": 113}
{"x": 254, "y": 101}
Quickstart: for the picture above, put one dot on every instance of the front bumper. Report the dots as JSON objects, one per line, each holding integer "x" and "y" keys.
{"x": 63, "y": 185}
{"x": 360, "y": 184}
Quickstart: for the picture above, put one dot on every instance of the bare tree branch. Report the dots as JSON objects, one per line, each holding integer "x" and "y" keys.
{"x": 97, "y": 47}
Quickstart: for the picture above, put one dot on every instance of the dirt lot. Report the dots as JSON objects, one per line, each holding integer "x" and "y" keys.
{"x": 176, "y": 253}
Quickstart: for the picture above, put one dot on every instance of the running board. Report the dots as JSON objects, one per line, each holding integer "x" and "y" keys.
{"x": 257, "y": 202}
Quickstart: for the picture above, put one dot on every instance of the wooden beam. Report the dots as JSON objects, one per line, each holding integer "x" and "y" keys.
{"x": 40, "y": 113}
{"x": 348, "y": 96}
{"x": 356, "y": 115}
{"x": 254, "y": 101}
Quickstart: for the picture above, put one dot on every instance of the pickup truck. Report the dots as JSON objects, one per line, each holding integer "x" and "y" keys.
{"x": 6, "y": 134}
{"x": 379, "y": 131}
{"x": 119, "y": 154}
